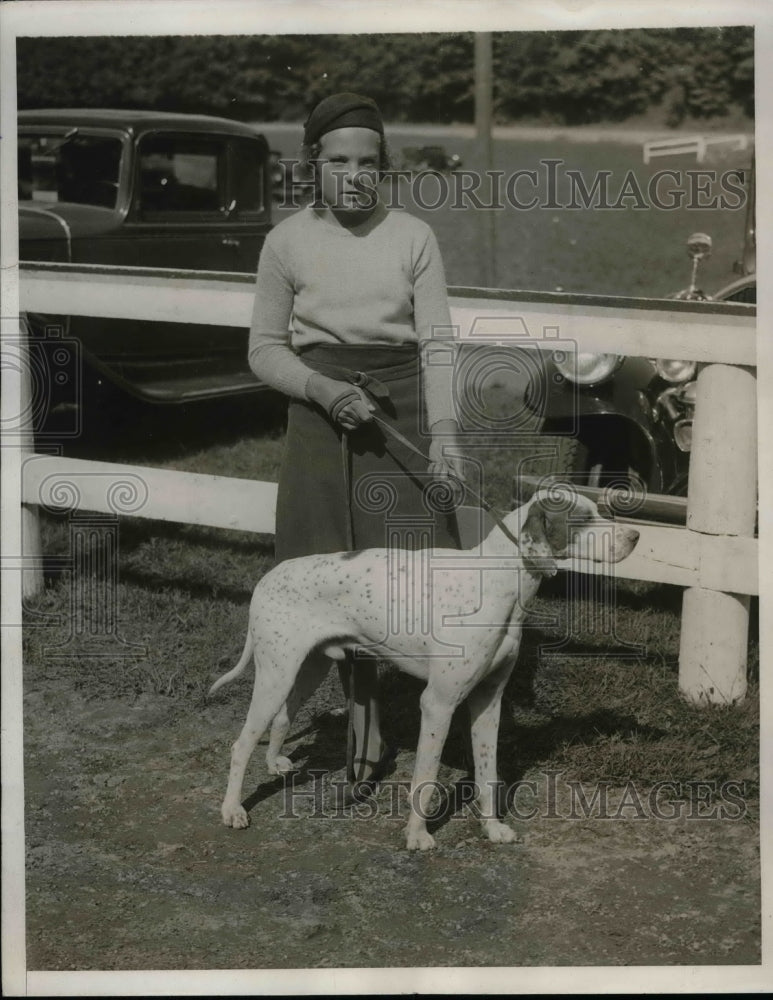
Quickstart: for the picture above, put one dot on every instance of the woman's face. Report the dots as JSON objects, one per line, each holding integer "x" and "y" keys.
{"x": 348, "y": 168}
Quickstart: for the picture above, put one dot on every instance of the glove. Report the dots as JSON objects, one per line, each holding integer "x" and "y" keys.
{"x": 345, "y": 404}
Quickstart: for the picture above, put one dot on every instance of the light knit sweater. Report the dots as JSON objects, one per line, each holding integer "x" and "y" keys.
{"x": 381, "y": 282}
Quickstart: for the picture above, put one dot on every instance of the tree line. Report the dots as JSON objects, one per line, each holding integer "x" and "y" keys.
{"x": 567, "y": 77}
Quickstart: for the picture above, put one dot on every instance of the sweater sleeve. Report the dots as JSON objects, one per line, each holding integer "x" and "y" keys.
{"x": 270, "y": 355}
{"x": 436, "y": 335}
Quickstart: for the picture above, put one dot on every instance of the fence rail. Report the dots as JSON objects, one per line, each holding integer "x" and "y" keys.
{"x": 714, "y": 556}
{"x": 700, "y": 331}
{"x": 664, "y": 554}
{"x": 689, "y": 144}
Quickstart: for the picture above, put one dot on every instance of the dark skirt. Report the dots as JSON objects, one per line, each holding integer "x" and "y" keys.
{"x": 359, "y": 490}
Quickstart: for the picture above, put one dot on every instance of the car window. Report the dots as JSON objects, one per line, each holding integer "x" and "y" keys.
{"x": 69, "y": 166}
{"x": 247, "y": 166}
{"x": 181, "y": 174}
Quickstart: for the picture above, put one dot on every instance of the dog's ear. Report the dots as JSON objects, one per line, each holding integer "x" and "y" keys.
{"x": 538, "y": 554}
{"x": 546, "y": 532}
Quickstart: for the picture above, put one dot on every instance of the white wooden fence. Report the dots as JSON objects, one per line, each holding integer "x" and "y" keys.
{"x": 675, "y": 145}
{"x": 714, "y": 556}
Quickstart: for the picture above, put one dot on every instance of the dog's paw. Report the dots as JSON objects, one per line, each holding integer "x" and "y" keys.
{"x": 235, "y": 816}
{"x": 419, "y": 840}
{"x": 498, "y": 832}
{"x": 281, "y": 765}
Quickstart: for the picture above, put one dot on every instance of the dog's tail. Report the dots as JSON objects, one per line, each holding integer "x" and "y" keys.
{"x": 239, "y": 668}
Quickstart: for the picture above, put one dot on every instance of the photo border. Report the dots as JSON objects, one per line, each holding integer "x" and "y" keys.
{"x": 176, "y": 17}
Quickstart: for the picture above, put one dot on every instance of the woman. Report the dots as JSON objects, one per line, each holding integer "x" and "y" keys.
{"x": 348, "y": 298}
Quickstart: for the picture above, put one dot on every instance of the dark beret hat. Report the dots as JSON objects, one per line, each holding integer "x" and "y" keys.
{"x": 342, "y": 111}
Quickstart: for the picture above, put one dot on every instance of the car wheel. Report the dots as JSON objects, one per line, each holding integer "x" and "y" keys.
{"x": 590, "y": 466}
{"x": 608, "y": 469}
{"x": 569, "y": 460}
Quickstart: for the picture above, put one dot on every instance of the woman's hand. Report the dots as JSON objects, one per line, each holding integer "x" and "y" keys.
{"x": 346, "y": 404}
{"x": 445, "y": 460}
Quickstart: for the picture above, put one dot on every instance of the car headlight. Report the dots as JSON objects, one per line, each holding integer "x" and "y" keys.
{"x": 683, "y": 434}
{"x": 674, "y": 371}
{"x": 586, "y": 368}
{"x": 690, "y": 393}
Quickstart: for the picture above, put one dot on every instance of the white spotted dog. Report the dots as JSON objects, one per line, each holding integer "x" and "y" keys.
{"x": 451, "y": 618}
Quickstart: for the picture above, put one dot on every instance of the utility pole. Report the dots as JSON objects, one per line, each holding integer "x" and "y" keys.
{"x": 484, "y": 150}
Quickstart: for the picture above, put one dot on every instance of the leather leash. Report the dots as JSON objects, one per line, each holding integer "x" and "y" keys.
{"x": 370, "y": 384}
{"x": 385, "y": 426}
{"x": 379, "y": 391}
{"x": 388, "y": 429}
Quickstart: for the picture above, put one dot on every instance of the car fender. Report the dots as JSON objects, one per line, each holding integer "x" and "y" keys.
{"x": 44, "y": 234}
{"x": 625, "y": 394}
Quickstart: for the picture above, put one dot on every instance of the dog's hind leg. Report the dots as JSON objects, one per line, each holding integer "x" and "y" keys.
{"x": 485, "y": 702}
{"x": 272, "y": 686}
{"x": 313, "y": 671}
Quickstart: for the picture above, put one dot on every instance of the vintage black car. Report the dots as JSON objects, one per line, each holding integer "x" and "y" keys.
{"x": 147, "y": 189}
{"x": 630, "y": 419}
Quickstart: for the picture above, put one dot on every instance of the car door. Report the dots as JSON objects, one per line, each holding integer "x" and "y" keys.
{"x": 182, "y": 214}
{"x": 179, "y": 211}
{"x": 249, "y": 199}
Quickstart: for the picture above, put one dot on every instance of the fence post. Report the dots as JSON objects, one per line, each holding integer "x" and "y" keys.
{"x": 721, "y": 500}
{"x": 31, "y": 549}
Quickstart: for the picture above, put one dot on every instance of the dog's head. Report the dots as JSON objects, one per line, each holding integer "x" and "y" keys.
{"x": 562, "y": 524}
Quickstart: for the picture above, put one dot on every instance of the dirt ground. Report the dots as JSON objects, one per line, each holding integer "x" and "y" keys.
{"x": 130, "y": 868}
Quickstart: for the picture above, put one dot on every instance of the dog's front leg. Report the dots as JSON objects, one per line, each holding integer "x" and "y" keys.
{"x": 485, "y": 703}
{"x": 436, "y": 713}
